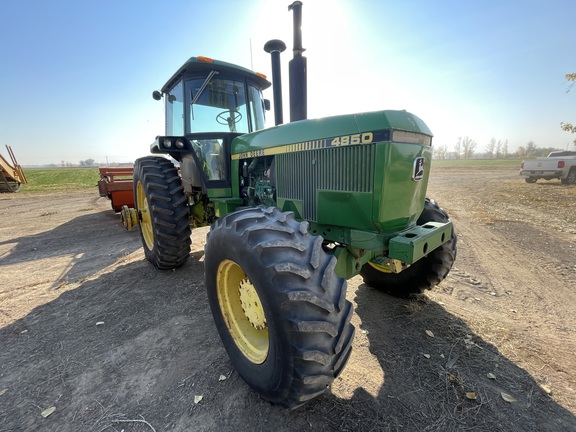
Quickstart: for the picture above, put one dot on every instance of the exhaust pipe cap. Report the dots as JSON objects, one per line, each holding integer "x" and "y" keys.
{"x": 274, "y": 45}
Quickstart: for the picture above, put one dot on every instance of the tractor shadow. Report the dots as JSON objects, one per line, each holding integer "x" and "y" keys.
{"x": 128, "y": 343}
{"x": 440, "y": 382}
{"x": 87, "y": 244}
{"x": 138, "y": 343}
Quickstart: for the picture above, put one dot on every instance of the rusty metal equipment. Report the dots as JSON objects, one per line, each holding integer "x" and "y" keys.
{"x": 116, "y": 183}
{"x": 11, "y": 175}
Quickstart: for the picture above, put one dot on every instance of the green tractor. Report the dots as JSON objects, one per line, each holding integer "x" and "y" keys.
{"x": 295, "y": 210}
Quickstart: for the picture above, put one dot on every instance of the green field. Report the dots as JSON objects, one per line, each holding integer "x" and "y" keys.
{"x": 55, "y": 179}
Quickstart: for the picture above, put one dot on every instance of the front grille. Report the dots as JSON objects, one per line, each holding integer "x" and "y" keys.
{"x": 301, "y": 174}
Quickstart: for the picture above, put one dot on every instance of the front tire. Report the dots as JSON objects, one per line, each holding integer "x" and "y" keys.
{"x": 425, "y": 273}
{"x": 164, "y": 218}
{"x": 279, "y": 308}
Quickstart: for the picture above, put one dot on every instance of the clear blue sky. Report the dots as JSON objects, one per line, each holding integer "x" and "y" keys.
{"x": 76, "y": 77}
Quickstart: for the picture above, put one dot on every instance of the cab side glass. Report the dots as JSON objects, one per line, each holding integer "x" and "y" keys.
{"x": 175, "y": 111}
{"x": 257, "y": 106}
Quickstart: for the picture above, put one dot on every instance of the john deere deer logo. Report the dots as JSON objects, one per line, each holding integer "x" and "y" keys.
{"x": 418, "y": 171}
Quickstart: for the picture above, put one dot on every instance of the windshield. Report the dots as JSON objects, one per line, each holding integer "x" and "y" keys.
{"x": 222, "y": 105}
{"x": 219, "y": 107}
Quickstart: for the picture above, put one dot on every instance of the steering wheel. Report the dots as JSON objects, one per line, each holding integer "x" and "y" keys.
{"x": 224, "y": 118}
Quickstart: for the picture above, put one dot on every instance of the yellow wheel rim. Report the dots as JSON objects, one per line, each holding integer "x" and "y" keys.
{"x": 242, "y": 311}
{"x": 381, "y": 268}
{"x": 145, "y": 218}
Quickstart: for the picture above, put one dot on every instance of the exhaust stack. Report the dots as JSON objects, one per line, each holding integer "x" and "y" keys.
{"x": 274, "y": 47}
{"x": 297, "y": 70}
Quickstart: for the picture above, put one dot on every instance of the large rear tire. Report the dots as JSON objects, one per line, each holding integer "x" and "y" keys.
{"x": 164, "y": 218}
{"x": 279, "y": 308}
{"x": 425, "y": 273}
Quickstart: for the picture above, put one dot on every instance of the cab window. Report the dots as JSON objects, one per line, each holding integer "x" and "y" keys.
{"x": 256, "y": 107}
{"x": 219, "y": 107}
{"x": 175, "y": 111}
{"x": 211, "y": 157}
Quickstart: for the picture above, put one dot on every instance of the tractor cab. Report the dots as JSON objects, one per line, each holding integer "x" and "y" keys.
{"x": 207, "y": 104}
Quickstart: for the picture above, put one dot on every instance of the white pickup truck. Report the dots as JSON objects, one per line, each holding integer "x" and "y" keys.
{"x": 557, "y": 165}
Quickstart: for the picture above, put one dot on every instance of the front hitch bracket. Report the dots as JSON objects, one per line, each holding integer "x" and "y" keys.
{"x": 416, "y": 243}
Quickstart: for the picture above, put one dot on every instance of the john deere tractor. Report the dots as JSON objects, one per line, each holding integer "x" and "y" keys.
{"x": 295, "y": 210}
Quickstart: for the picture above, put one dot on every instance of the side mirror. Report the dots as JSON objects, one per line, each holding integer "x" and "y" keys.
{"x": 267, "y": 104}
{"x": 156, "y": 95}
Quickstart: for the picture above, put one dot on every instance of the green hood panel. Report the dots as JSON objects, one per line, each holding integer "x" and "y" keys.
{"x": 352, "y": 171}
{"x": 326, "y": 129}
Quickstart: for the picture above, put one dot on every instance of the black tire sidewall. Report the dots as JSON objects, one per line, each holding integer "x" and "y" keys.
{"x": 165, "y": 254}
{"x": 571, "y": 178}
{"x": 273, "y": 372}
{"x": 304, "y": 301}
{"x": 423, "y": 273}
{"x": 139, "y": 169}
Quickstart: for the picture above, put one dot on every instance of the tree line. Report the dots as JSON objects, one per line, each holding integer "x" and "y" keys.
{"x": 465, "y": 148}
{"x": 83, "y": 163}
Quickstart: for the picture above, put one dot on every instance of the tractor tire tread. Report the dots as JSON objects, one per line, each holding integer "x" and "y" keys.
{"x": 169, "y": 213}
{"x": 311, "y": 307}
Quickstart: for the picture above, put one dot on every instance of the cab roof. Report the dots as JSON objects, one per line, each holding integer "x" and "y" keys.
{"x": 206, "y": 64}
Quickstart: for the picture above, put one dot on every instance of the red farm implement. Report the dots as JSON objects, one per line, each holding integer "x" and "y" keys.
{"x": 116, "y": 184}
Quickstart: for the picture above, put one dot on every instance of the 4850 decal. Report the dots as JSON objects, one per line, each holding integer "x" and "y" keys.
{"x": 344, "y": 140}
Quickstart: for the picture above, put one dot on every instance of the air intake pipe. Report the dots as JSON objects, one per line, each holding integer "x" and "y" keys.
{"x": 274, "y": 47}
{"x": 297, "y": 69}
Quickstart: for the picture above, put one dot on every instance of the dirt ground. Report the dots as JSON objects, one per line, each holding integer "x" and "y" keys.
{"x": 91, "y": 330}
